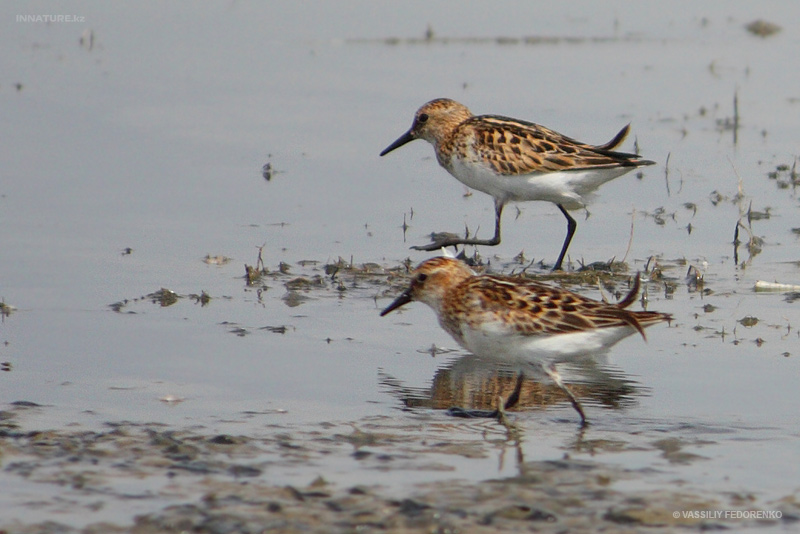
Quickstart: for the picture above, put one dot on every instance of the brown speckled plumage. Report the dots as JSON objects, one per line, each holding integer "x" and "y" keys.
{"x": 514, "y": 147}
{"x": 527, "y": 307}
{"x": 532, "y": 308}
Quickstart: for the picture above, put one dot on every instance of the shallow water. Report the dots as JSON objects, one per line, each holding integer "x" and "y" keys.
{"x": 153, "y": 138}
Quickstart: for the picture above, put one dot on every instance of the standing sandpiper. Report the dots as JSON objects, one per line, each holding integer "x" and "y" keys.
{"x": 514, "y": 160}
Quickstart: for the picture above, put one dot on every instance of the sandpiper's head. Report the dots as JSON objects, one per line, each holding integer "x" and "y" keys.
{"x": 430, "y": 281}
{"x": 433, "y": 122}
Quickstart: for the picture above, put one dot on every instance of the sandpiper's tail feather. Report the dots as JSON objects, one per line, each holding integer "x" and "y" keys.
{"x": 639, "y": 318}
{"x": 617, "y": 140}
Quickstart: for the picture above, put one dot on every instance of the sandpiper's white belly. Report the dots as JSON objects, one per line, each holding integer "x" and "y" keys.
{"x": 572, "y": 189}
{"x": 493, "y": 340}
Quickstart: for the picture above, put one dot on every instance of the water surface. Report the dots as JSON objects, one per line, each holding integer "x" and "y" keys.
{"x": 154, "y": 136}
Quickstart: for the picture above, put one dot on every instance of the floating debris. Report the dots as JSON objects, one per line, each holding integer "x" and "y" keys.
{"x": 268, "y": 171}
{"x": 87, "y": 39}
{"x": 239, "y": 331}
{"x": 25, "y": 404}
{"x": 203, "y": 298}
{"x": 216, "y": 260}
{"x": 434, "y": 351}
{"x": 253, "y": 275}
{"x": 694, "y": 278}
{"x": 716, "y": 197}
{"x": 758, "y": 215}
{"x": 6, "y": 309}
{"x": 302, "y": 282}
{"x": 610, "y": 266}
{"x": 117, "y": 306}
{"x": 282, "y": 329}
{"x": 748, "y": 321}
{"x": 785, "y": 175}
{"x": 429, "y": 37}
{"x": 164, "y": 297}
{"x": 761, "y": 285}
{"x": 172, "y": 399}
{"x": 762, "y": 28}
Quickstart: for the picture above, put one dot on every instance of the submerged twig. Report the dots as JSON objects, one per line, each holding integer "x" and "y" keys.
{"x": 630, "y": 238}
{"x": 735, "y": 117}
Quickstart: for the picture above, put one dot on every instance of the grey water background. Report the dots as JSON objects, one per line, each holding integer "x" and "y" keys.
{"x": 154, "y": 136}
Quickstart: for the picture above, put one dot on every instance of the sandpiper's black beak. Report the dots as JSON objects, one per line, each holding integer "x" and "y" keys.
{"x": 402, "y": 140}
{"x": 404, "y": 298}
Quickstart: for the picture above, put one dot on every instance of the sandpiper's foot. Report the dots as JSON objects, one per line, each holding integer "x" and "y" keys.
{"x": 446, "y": 239}
{"x": 499, "y": 413}
{"x": 440, "y": 240}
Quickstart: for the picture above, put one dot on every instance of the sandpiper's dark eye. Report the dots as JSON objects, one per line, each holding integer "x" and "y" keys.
{"x": 423, "y": 117}
{"x": 421, "y": 277}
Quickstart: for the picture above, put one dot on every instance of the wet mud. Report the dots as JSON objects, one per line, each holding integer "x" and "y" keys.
{"x": 151, "y": 478}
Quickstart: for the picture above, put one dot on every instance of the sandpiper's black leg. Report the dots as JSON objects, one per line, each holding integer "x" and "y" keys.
{"x": 451, "y": 242}
{"x": 498, "y": 213}
{"x": 551, "y": 371}
{"x": 513, "y": 399}
{"x": 510, "y": 402}
{"x": 571, "y": 227}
